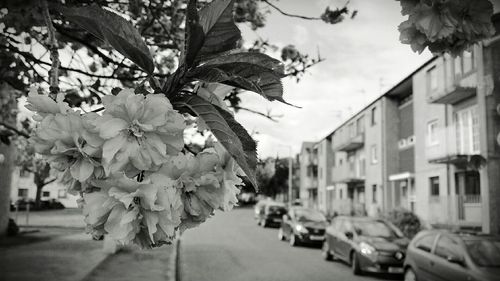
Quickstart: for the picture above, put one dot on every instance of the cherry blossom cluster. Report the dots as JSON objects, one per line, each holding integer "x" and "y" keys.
{"x": 137, "y": 182}
{"x": 445, "y": 25}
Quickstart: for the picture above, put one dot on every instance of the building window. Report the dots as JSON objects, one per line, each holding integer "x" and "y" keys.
{"x": 61, "y": 193}
{"x": 45, "y": 193}
{"x": 373, "y": 116}
{"x": 434, "y": 186}
{"x": 432, "y": 136}
{"x": 432, "y": 79}
{"x": 467, "y": 129}
{"x": 458, "y": 67}
{"x": 449, "y": 72}
{"x": 467, "y": 61}
{"x": 373, "y": 153}
{"x": 340, "y": 194}
{"x": 374, "y": 199}
{"x": 22, "y": 192}
{"x": 360, "y": 125}
{"x": 320, "y": 172}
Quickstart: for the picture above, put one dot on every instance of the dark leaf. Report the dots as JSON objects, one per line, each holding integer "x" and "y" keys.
{"x": 194, "y": 34}
{"x": 218, "y": 31}
{"x": 249, "y": 144}
{"x": 222, "y": 129}
{"x": 113, "y": 29}
{"x": 244, "y": 75}
{"x": 259, "y": 59}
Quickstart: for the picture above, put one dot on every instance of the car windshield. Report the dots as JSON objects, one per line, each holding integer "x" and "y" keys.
{"x": 374, "y": 229}
{"x": 484, "y": 252}
{"x": 309, "y": 215}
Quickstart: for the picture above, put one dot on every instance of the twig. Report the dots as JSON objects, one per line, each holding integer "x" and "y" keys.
{"x": 52, "y": 47}
{"x": 14, "y": 129}
{"x": 289, "y": 15}
{"x": 268, "y": 116}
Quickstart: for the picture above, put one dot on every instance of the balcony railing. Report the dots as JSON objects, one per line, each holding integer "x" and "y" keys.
{"x": 446, "y": 148}
{"x": 352, "y": 143}
{"x": 458, "y": 89}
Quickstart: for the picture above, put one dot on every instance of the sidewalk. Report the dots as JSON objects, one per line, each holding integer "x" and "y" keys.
{"x": 68, "y": 254}
{"x": 51, "y": 254}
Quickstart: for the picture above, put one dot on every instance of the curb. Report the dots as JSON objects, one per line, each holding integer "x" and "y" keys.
{"x": 174, "y": 264}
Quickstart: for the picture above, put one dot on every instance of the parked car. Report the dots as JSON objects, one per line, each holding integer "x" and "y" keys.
{"x": 302, "y": 225}
{"x": 270, "y": 213}
{"x": 51, "y": 204}
{"x": 22, "y": 204}
{"x": 444, "y": 255}
{"x": 367, "y": 244}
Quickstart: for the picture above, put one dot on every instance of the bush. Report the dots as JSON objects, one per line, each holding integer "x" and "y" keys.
{"x": 406, "y": 221}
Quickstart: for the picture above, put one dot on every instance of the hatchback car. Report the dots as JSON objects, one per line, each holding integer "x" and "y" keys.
{"x": 444, "y": 255}
{"x": 270, "y": 213}
{"x": 367, "y": 244}
{"x": 302, "y": 225}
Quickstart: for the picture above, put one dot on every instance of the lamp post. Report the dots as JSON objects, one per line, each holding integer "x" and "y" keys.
{"x": 290, "y": 163}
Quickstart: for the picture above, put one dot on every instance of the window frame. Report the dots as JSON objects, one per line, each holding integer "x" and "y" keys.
{"x": 432, "y": 141}
{"x": 373, "y": 154}
{"x": 432, "y": 186}
{"x": 431, "y": 249}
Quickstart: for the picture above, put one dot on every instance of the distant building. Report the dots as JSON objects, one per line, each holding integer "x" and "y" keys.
{"x": 308, "y": 159}
{"x": 23, "y": 187}
{"x": 412, "y": 147}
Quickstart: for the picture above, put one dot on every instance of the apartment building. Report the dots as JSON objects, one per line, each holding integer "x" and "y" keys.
{"x": 455, "y": 101}
{"x": 308, "y": 159}
{"x": 325, "y": 183}
{"x": 412, "y": 147}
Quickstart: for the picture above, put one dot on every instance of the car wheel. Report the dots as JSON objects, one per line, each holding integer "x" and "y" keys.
{"x": 356, "y": 269}
{"x": 325, "y": 252}
{"x": 410, "y": 275}
{"x": 281, "y": 236}
{"x": 293, "y": 240}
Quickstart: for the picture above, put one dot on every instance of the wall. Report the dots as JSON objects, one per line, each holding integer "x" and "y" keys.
{"x": 433, "y": 212}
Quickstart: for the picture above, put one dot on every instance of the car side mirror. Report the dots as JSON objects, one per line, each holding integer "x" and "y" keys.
{"x": 456, "y": 260}
{"x": 349, "y": 235}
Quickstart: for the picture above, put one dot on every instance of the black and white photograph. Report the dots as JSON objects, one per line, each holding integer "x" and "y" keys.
{"x": 249, "y": 140}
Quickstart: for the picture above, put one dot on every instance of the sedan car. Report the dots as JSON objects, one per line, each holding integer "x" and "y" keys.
{"x": 270, "y": 213}
{"x": 367, "y": 244}
{"x": 443, "y": 255}
{"x": 302, "y": 225}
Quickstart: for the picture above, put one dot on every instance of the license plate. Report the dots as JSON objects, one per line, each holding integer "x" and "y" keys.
{"x": 277, "y": 220}
{"x": 315, "y": 237}
{"x": 395, "y": 269}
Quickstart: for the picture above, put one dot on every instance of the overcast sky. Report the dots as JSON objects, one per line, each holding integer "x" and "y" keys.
{"x": 363, "y": 58}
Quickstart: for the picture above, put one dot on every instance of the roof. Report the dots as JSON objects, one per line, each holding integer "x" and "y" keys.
{"x": 392, "y": 92}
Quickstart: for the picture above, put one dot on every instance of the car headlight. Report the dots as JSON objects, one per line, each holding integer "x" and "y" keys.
{"x": 300, "y": 228}
{"x": 366, "y": 249}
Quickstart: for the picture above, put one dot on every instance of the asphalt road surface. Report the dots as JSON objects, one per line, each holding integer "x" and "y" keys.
{"x": 232, "y": 247}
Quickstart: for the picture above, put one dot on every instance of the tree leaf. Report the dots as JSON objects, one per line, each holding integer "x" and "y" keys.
{"x": 222, "y": 129}
{"x": 259, "y": 59}
{"x": 113, "y": 29}
{"x": 244, "y": 75}
{"x": 220, "y": 33}
{"x": 249, "y": 144}
{"x": 194, "y": 35}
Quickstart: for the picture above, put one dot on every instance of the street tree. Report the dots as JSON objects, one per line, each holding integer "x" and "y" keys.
{"x": 85, "y": 65}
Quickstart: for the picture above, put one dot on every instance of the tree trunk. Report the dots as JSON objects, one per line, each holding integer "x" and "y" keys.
{"x": 6, "y": 168}
{"x": 39, "y": 186}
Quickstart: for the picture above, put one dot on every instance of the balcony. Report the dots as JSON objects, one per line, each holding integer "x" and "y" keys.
{"x": 457, "y": 90}
{"x": 352, "y": 143}
{"x": 447, "y": 151}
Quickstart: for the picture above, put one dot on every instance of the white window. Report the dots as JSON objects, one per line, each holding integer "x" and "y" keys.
{"x": 432, "y": 133}
{"x": 467, "y": 61}
{"x": 467, "y": 128}
{"x": 373, "y": 154}
{"x": 432, "y": 79}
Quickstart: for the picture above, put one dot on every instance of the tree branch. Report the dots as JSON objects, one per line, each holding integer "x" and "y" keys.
{"x": 287, "y": 14}
{"x": 52, "y": 47}
{"x": 49, "y": 181}
{"x": 267, "y": 115}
